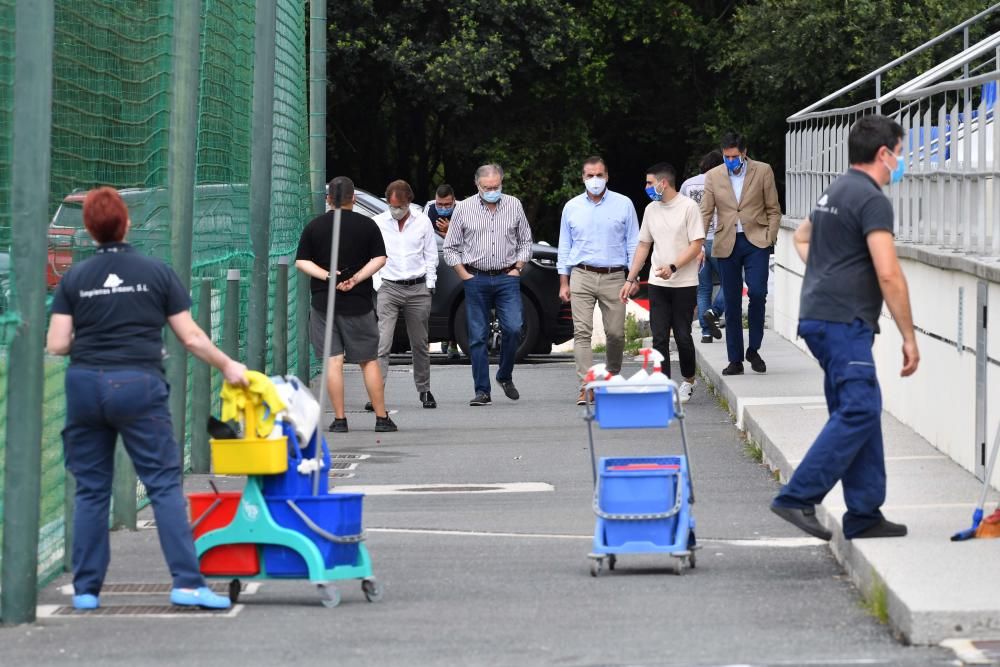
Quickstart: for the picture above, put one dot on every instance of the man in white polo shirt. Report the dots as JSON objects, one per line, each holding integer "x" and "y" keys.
{"x": 408, "y": 280}
{"x": 672, "y": 225}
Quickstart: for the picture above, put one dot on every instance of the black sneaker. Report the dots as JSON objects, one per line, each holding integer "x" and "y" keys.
{"x": 707, "y": 339}
{"x": 482, "y": 398}
{"x": 385, "y": 424}
{"x": 712, "y": 320}
{"x": 369, "y": 407}
{"x": 427, "y": 399}
{"x": 509, "y": 390}
{"x": 338, "y": 426}
{"x": 734, "y": 368}
{"x": 883, "y": 528}
{"x": 804, "y": 519}
{"x": 756, "y": 363}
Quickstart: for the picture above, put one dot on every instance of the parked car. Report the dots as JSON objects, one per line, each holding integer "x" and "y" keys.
{"x": 546, "y": 320}
{"x": 217, "y": 215}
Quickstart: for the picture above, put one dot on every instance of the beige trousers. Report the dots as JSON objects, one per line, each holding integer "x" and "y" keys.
{"x": 588, "y": 289}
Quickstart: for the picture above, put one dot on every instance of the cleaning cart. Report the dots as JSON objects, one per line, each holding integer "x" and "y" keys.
{"x": 284, "y": 524}
{"x": 643, "y": 504}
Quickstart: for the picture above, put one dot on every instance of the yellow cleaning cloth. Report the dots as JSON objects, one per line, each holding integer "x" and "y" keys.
{"x": 261, "y": 395}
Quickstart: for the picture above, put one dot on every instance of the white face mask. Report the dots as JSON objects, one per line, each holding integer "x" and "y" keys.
{"x": 398, "y": 212}
{"x": 595, "y": 185}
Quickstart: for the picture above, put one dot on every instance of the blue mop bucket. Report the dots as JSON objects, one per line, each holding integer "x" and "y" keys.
{"x": 292, "y": 482}
{"x": 619, "y": 406}
{"x": 335, "y": 513}
{"x": 637, "y": 487}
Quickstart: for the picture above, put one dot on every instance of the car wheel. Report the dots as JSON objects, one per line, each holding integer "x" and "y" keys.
{"x": 530, "y": 330}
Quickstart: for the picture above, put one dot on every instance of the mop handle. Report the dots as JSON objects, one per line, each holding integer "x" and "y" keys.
{"x": 989, "y": 469}
{"x": 328, "y": 329}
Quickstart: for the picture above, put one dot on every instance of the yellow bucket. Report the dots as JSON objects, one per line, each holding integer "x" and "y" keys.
{"x": 249, "y": 456}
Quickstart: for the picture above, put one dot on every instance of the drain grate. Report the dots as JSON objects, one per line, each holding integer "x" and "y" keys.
{"x": 341, "y": 475}
{"x": 136, "y": 610}
{"x": 222, "y": 588}
{"x": 350, "y": 457}
{"x": 342, "y": 465}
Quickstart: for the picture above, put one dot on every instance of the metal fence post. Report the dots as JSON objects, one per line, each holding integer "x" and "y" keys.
{"x": 231, "y": 315}
{"x": 201, "y": 386}
{"x": 34, "y": 25}
{"x": 317, "y": 103}
{"x": 261, "y": 154}
{"x": 303, "y": 298}
{"x": 279, "y": 344}
{"x": 124, "y": 512}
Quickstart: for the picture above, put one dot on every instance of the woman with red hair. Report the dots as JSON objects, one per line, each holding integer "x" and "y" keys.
{"x": 108, "y": 315}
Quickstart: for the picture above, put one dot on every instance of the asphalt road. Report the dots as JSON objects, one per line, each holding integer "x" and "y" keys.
{"x": 483, "y": 578}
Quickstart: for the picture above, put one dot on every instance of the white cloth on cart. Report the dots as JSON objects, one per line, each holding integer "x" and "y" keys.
{"x": 302, "y": 410}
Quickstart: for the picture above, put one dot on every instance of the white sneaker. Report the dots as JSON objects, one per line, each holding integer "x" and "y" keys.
{"x": 684, "y": 391}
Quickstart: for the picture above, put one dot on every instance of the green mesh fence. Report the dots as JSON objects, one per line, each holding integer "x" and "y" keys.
{"x": 113, "y": 73}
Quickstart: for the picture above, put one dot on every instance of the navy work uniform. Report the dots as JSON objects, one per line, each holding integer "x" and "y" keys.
{"x": 838, "y": 318}
{"x": 120, "y": 301}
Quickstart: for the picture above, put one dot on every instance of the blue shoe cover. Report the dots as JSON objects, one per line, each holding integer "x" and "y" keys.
{"x": 202, "y": 597}
{"x": 85, "y": 601}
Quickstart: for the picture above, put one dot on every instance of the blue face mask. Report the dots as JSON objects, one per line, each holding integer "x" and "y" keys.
{"x": 653, "y": 194}
{"x": 444, "y": 211}
{"x": 896, "y": 175}
{"x": 733, "y": 163}
{"x": 491, "y": 196}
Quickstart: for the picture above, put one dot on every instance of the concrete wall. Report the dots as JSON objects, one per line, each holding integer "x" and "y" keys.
{"x": 939, "y": 401}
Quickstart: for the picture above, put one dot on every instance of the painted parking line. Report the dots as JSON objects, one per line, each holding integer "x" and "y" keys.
{"x": 772, "y": 542}
{"x": 432, "y": 489}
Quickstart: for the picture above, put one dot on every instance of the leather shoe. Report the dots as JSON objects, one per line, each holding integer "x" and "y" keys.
{"x": 883, "y": 528}
{"x": 804, "y": 519}
{"x": 756, "y": 363}
{"x": 509, "y": 390}
{"x": 734, "y": 368}
{"x": 427, "y": 398}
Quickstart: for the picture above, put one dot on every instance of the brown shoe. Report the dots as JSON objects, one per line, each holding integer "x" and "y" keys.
{"x": 582, "y": 398}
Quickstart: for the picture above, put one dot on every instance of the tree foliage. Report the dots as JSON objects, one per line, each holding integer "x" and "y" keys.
{"x": 426, "y": 90}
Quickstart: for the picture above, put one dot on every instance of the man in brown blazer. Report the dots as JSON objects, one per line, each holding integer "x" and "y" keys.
{"x": 743, "y": 194}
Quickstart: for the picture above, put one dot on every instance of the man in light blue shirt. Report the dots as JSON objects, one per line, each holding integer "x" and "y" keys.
{"x": 597, "y": 239}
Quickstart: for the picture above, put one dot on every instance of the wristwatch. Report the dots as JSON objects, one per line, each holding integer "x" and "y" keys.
{"x": 673, "y": 269}
{"x": 631, "y": 280}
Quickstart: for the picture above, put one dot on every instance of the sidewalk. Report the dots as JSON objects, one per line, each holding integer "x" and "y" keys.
{"x": 934, "y": 589}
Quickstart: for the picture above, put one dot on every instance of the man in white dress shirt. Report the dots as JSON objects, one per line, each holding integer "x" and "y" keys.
{"x": 408, "y": 280}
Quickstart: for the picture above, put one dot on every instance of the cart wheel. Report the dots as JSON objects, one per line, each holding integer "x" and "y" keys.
{"x": 328, "y": 595}
{"x": 692, "y": 560}
{"x": 235, "y": 588}
{"x": 612, "y": 561}
{"x": 372, "y": 589}
{"x": 678, "y": 566}
{"x": 595, "y": 567}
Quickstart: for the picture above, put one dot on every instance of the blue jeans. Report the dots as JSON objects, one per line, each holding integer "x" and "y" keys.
{"x": 484, "y": 293}
{"x": 705, "y": 283}
{"x": 849, "y": 448}
{"x": 100, "y": 406}
{"x": 747, "y": 263}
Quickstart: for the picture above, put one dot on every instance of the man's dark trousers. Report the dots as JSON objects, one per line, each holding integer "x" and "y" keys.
{"x": 849, "y": 448}
{"x": 483, "y": 293}
{"x": 748, "y": 262}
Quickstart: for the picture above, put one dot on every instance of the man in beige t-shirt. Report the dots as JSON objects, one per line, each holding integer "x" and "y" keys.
{"x": 672, "y": 225}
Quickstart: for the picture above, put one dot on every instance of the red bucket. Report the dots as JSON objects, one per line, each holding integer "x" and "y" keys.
{"x": 231, "y": 559}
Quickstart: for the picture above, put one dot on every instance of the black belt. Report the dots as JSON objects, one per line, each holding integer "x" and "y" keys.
{"x": 415, "y": 281}
{"x": 497, "y": 272}
{"x": 600, "y": 269}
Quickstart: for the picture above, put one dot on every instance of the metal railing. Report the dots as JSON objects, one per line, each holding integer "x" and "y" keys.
{"x": 950, "y": 195}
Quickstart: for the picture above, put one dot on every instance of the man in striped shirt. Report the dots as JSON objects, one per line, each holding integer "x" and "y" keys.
{"x": 488, "y": 243}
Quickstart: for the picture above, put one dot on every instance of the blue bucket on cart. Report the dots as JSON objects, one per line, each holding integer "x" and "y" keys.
{"x": 336, "y": 513}
{"x": 292, "y": 482}
{"x": 640, "y": 407}
{"x": 640, "y": 486}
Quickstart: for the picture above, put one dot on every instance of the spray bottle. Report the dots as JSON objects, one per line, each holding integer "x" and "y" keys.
{"x": 642, "y": 375}
{"x": 657, "y": 376}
